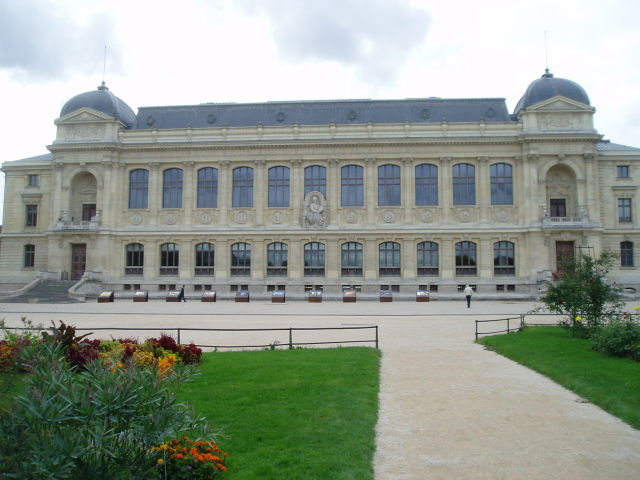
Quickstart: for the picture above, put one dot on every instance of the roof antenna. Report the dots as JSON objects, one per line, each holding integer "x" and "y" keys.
{"x": 546, "y": 56}
{"x": 104, "y": 68}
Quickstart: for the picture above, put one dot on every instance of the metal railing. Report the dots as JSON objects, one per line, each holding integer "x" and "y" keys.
{"x": 510, "y": 327}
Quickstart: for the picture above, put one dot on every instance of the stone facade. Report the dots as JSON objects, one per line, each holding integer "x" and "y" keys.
{"x": 489, "y": 200}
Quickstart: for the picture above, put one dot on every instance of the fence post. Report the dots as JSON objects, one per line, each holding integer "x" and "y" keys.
{"x": 508, "y": 324}
{"x": 376, "y": 337}
{"x": 476, "y": 330}
{"x": 290, "y": 338}
{"x": 178, "y": 336}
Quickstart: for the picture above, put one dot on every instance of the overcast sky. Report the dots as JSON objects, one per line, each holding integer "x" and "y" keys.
{"x": 196, "y": 51}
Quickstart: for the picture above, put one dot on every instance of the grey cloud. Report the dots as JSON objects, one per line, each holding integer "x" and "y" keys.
{"x": 374, "y": 36}
{"x": 37, "y": 40}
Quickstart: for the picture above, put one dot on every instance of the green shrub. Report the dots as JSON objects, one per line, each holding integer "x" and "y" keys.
{"x": 619, "y": 338}
{"x": 95, "y": 423}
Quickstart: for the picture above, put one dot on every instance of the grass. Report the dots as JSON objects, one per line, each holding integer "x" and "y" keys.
{"x": 292, "y": 413}
{"x": 611, "y": 383}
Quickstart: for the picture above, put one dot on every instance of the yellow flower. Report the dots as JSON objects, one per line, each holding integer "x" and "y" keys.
{"x": 578, "y": 319}
{"x": 160, "y": 461}
{"x": 636, "y": 308}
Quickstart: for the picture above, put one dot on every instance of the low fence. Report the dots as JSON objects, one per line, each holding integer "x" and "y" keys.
{"x": 289, "y": 341}
{"x": 512, "y": 324}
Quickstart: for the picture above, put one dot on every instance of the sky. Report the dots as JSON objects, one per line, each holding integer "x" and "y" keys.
{"x": 197, "y": 51}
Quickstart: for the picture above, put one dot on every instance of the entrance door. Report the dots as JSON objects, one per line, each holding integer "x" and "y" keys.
{"x": 78, "y": 260}
{"x": 564, "y": 250}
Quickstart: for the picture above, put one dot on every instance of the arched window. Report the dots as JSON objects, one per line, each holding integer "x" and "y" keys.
{"x": 501, "y": 184}
{"x": 315, "y": 180}
{"x": 278, "y": 187}
{"x": 426, "y": 184}
{"x": 240, "y": 259}
{"x": 626, "y": 254}
{"x": 466, "y": 259}
{"x": 205, "y": 259}
{"x": 428, "y": 261}
{"x": 314, "y": 259}
{"x": 172, "y": 188}
{"x": 464, "y": 184}
{"x": 389, "y": 259}
{"x": 29, "y": 256}
{"x": 504, "y": 258}
{"x": 208, "y": 187}
{"x": 352, "y": 186}
{"x": 277, "y": 259}
{"x": 138, "y": 188}
{"x": 352, "y": 259}
{"x": 134, "y": 261}
{"x": 169, "y": 259}
{"x": 242, "y": 195}
{"x": 389, "y": 185}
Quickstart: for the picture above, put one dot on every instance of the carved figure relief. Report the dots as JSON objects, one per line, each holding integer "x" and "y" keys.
{"x": 315, "y": 215}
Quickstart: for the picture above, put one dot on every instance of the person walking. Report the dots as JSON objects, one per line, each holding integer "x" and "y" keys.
{"x": 181, "y": 295}
{"x": 468, "y": 291}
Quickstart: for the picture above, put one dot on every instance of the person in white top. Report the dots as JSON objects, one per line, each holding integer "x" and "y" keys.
{"x": 468, "y": 291}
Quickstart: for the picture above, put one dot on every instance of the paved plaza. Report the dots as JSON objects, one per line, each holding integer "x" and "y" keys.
{"x": 449, "y": 409}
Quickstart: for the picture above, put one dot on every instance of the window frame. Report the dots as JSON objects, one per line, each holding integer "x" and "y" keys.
{"x": 33, "y": 180}
{"x": 466, "y": 254}
{"x": 622, "y": 171}
{"x": 428, "y": 253}
{"x": 389, "y": 191}
{"x": 172, "y": 184}
{"x": 240, "y": 259}
{"x": 501, "y": 175}
{"x": 242, "y": 187}
{"x": 205, "y": 260}
{"x": 464, "y": 184}
{"x": 426, "y": 184}
{"x": 134, "y": 259}
{"x": 351, "y": 259}
{"x": 504, "y": 258}
{"x": 352, "y": 186}
{"x": 29, "y": 256}
{"x": 169, "y": 259}
{"x": 626, "y": 254}
{"x": 315, "y": 179}
{"x": 277, "y": 259}
{"x": 279, "y": 178}
{"x": 31, "y": 215}
{"x": 314, "y": 259}
{"x": 625, "y": 210}
{"x": 207, "y": 196}
{"x": 389, "y": 259}
{"x": 138, "y": 188}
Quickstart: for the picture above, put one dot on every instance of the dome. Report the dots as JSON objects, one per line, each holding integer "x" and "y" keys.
{"x": 103, "y": 101}
{"x": 547, "y": 87}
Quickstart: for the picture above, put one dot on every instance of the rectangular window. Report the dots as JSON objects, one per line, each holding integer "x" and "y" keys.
{"x": 279, "y": 187}
{"x": 314, "y": 259}
{"x": 426, "y": 184}
{"x": 626, "y": 254}
{"x": 352, "y": 186}
{"x": 29, "y": 256}
{"x": 623, "y": 171}
{"x": 624, "y": 210}
{"x": 138, "y": 188}
{"x": 207, "y": 188}
{"x": 558, "y": 207}
{"x": 466, "y": 260}
{"x": 427, "y": 258}
{"x": 389, "y": 185}
{"x": 242, "y": 194}
{"x": 315, "y": 180}
{"x": 464, "y": 184}
{"x": 32, "y": 216}
{"x": 33, "y": 180}
{"x": 501, "y": 184}
{"x": 172, "y": 188}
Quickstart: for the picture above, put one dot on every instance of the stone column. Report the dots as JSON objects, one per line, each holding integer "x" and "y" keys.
{"x": 332, "y": 259}
{"x": 295, "y": 259}
{"x": 296, "y": 192}
{"x": 189, "y": 192}
{"x": 258, "y": 260}
{"x": 370, "y": 190}
{"x": 225, "y": 184}
{"x": 446, "y": 188}
{"x": 408, "y": 255}
{"x": 483, "y": 190}
{"x": 448, "y": 259}
{"x": 333, "y": 190}
{"x": 408, "y": 189}
{"x": 155, "y": 191}
{"x": 260, "y": 189}
{"x": 485, "y": 258}
{"x": 223, "y": 263}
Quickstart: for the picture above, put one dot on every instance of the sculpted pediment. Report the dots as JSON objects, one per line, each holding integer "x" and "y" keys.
{"x": 84, "y": 115}
{"x": 559, "y": 103}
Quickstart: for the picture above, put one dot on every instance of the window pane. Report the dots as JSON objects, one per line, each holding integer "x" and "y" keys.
{"x": 352, "y": 186}
{"x": 134, "y": 259}
{"x": 277, "y": 259}
{"x": 501, "y": 184}
{"x": 314, "y": 258}
{"x": 624, "y": 209}
{"x": 389, "y": 259}
{"x": 426, "y": 185}
{"x": 169, "y": 258}
{"x": 352, "y": 259}
{"x": 504, "y": 259}
{"x": 466, "y": 258}
{"x": 242, "y": 187}
{"x": 29, "y": 256}
{"x": 138, "y": 188}
{"x": 389, "y": 185}
{"x": 315, "y": 179}
{"x": 240, "y": 259}
{"x": 464, "y": 184}
{"x": 32, "y": 215}
{"x": 428, "y": 261}
{"x": 172, "y": 189}
{"x": 626, "y": 254}
{"x": 208, "y": 188}
{"x": 279, "y": 187}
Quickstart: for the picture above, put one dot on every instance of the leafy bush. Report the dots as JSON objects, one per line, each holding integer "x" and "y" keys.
{"x": 620, "y": 338}
{"x": 95, "y": 423}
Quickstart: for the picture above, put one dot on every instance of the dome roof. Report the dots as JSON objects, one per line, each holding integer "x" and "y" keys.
{"x": 547, "y": 87}
{"x": 103, "y": 101}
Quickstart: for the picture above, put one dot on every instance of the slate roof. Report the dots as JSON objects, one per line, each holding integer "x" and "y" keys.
{"x": 607, "y": 146}
{"x": 103, "y": 101}
{"x": 548, "y": 86}
{"x": 427, "y": 110}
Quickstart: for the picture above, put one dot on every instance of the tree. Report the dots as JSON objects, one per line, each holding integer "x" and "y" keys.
{"x": 582, "y": 291}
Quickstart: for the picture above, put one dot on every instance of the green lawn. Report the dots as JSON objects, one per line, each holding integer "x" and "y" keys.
{"x": 609, "y": 382}
{"x": 292, "y": 413}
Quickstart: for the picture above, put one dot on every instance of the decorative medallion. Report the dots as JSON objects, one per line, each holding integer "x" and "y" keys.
{"x": 136, "y": 219}
{"x": 351, "y": 217}
{"x": 211, "y": 118}
{"x": 502, "y": 216}
{"x": 490, "y": 113}
{"x": 427, "y": 217}
{"x": 388, "y": 216}
{"x": 281, "y": 117}
{"x": 241, "y": 217}
{"x": 425, "y": 114}
{"x": 277, "y": 217}
{"x": 205, "y": 218}
{"x": 352, "y": 115}
{"x": 465, "y": 216}
{"x": 171, "y": 219}
{"x": 150, "y": 120}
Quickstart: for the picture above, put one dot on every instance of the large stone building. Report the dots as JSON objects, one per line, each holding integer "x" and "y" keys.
{"x": 373, "y": 194}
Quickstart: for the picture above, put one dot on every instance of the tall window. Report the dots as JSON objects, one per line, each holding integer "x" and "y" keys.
{"x": 32, "y": 215}
{"x": 623, "y": 171}
{"x": 138, "y": 188}
{"x": 172, "y": 188}
{"x": 278, "y": 187}
{"x": 558, "y": 207}
{"x": 428, "y": 261}
{"x": 389, "y": 259}
{"x": 315, "y": 179}
{"x": 205, "y": 259}
{"x": 240, "y": 259}
{"x": 314, "y": 259}
{"x": 352, "y": 259}
{"x": 466, "y": 261}
{"x": 464, "y": 184}
{"x": 426, "y": 184}
{"x": 208, "y": 188}
{"x": 626, "y": 254}
{"x": 504, "y": 258}
{"x": 352, "y": 186}
{"x": 242, "y": 187}
{"x": 501, "y": 184}
{"x": 134, "y": 261}
{"x": 624, "y": 210}
{"x": 29, "y": 256}
{"x": 169, "y": 259}
{"x": 389, "y": 185}
{"x": 33, "y": 180}
{"x": 277, "y": 259}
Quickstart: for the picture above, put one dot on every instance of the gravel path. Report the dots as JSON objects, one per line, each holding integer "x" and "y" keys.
{"x": 448, "y": 408}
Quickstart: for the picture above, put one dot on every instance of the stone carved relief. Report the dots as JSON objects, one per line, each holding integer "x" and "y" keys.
{"x": 388, "y": 216}
{"x": 277, "y": 217}
{"x": 205, "y": 218}
{"x": 171, "y": 219}
{"x": 427, "y": 217}
{"x": 136, "y": 219}
{"x": 315, "y": 211}
{"x": 241, "y": 217}
{"x": 560, "y": 121}
{"x": 351, "y": 217}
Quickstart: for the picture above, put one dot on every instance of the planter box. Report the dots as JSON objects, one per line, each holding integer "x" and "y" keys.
{"x": 315, "y": 296}
{"x": 141, "y": 296}
{"x": 242, "y": 296}
{"x": 422, "y": 296}
{"x": 173, "y": 296}
{"x": 349, "y": 297}
{"x": 386, "y": 296}
{"x": 208, "y": 296}
{"x": 277, "y": 297}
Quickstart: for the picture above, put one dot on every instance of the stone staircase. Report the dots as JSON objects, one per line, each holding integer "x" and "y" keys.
{"x": 46, "y": 291}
